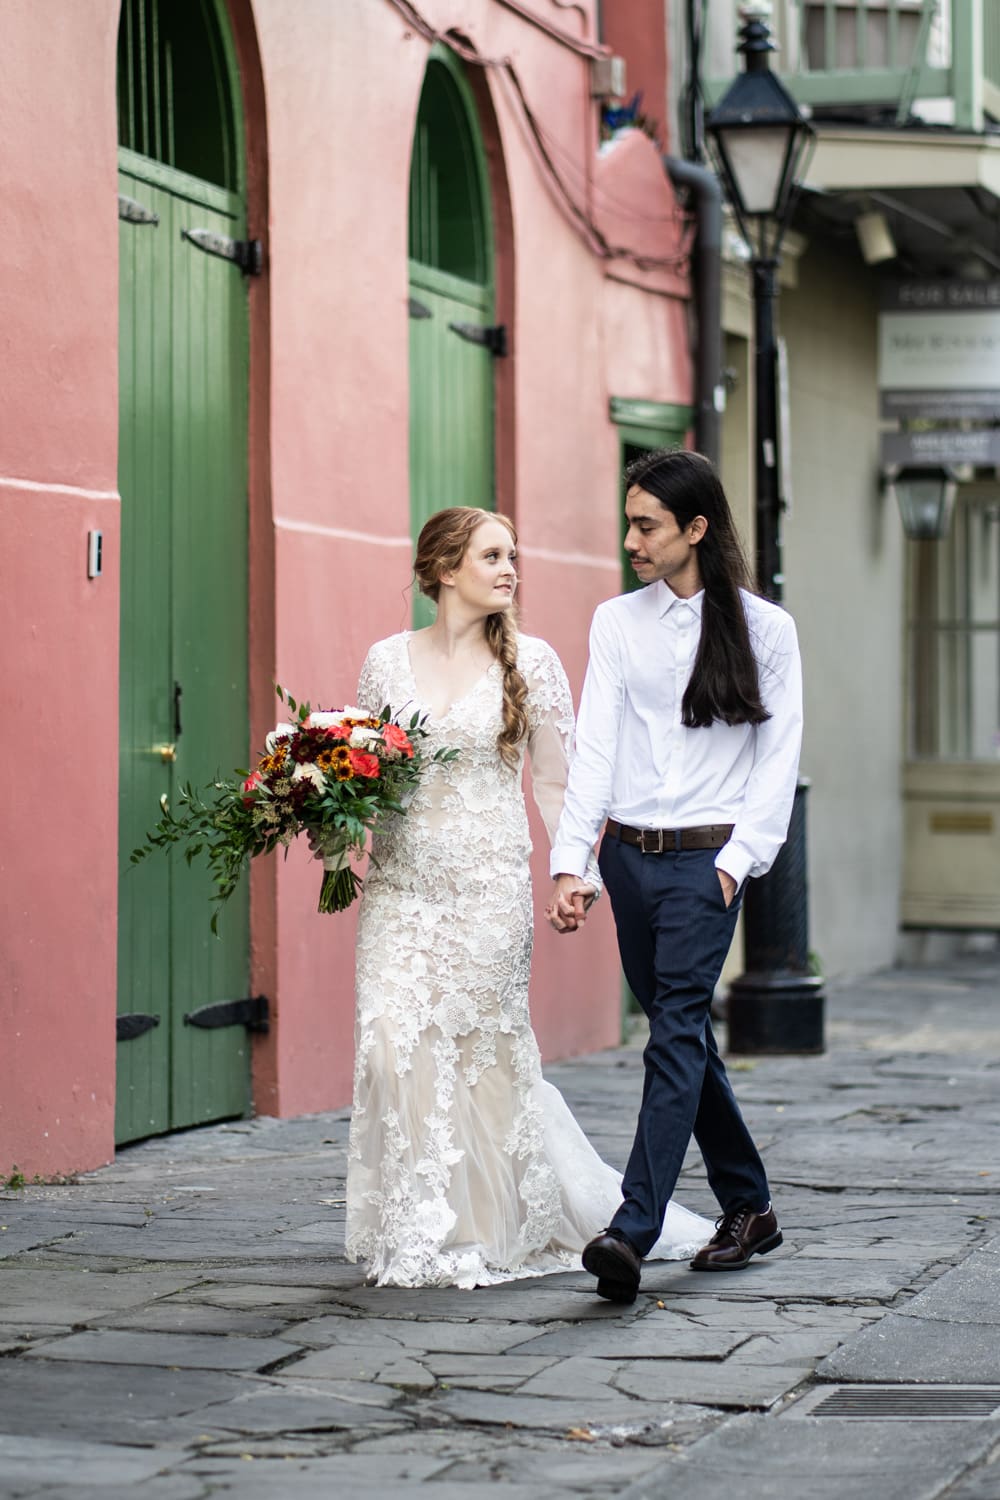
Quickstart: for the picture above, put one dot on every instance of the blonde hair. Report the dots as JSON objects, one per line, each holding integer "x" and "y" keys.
{"x": 441, "y": 548}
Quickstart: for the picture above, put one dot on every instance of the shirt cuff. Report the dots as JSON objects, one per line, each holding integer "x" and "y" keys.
{"x": 735, "y": 860}
{"x": 565, "y": 860}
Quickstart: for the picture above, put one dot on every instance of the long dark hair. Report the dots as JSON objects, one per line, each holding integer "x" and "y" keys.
{"x": 725, "y": 681}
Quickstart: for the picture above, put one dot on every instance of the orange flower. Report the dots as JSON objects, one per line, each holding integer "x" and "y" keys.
{"x": 363, "y": 763}
{"x": 397, "y": 740}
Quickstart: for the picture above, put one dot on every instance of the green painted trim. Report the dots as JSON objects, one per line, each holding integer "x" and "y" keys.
{"x": 232, "y": 68}
{"x": 649, "y": 420}
{"x": 456, "y": 287}
{"x": 181, "y": 184}
{"x": 449, "y": 60}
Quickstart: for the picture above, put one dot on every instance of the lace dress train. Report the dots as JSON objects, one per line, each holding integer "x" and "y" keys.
{"x": 465, "y": 1167}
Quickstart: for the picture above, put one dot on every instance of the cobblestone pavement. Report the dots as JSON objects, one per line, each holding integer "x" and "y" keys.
{"x": 183, "y": 1324}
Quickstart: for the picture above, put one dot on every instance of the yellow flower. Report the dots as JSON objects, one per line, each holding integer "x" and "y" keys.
{"x": 273, "y": 763}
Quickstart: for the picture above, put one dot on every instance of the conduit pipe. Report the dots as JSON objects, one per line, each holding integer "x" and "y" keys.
{"x": 710, "y": 396}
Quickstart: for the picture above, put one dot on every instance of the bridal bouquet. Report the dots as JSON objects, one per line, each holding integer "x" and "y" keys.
{"x": 332, "y": 775}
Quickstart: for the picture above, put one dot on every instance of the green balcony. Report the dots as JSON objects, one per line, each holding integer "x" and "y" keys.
{"x": 871, "y": 61}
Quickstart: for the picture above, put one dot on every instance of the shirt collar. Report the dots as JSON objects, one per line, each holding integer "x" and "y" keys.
{"x": 667, "y": 600}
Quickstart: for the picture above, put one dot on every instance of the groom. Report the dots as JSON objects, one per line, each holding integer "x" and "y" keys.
{"x": 687, "y": 752}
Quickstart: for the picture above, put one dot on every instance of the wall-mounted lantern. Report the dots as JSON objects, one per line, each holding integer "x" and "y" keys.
{"x": 926, "y": 499}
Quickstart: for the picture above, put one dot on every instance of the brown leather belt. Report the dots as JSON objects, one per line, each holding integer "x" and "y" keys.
{"x": 670, "y": 840}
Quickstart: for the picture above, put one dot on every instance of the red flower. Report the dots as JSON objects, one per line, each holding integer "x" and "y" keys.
{"x": 397, "y": 740}
{"x": 363, "y": 763}
{"x": 253, "y": 781}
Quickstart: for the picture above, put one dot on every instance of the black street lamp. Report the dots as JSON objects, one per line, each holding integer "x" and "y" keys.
{"x": 760, "y": 141}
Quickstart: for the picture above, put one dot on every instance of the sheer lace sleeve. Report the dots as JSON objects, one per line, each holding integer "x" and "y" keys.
{"x": 371, "y": 685}
{"x": 550, "y": 736}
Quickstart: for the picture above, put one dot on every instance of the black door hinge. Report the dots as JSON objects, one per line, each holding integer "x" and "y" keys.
{"x": 128, "y": 1027}
{"x": 134, "y": 212}
{"x": 494, "y": 339}
{"x": 253, "y": 1013}
{"x": 247, "y": 254}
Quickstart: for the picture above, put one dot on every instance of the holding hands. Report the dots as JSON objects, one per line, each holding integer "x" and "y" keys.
{"x": 569, "y": 903}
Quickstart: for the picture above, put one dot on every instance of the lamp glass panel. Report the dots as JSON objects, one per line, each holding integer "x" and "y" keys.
{"x": 925, "y": 506}
{"x": 756, "y": 158}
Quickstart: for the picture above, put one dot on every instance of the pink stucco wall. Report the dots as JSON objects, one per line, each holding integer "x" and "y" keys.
{"x": 339, "y": 406}
{"x": 58, "y": 447}
{"x": 331, "y": 96}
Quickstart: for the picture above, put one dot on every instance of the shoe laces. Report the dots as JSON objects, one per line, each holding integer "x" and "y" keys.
{"x": 733, "y": 1223}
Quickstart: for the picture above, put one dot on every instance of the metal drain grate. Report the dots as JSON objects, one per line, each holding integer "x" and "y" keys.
{"x": 947, "y": 1403}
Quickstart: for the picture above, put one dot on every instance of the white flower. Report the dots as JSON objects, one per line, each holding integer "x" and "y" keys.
{"x": 277, "y": 733}
{"x": 361, "y": 737}
{"x": 309, "y": 773}
{"x": 324, "y": 720}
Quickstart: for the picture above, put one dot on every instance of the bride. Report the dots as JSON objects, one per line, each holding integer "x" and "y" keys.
{"x": 465, "y": 1167}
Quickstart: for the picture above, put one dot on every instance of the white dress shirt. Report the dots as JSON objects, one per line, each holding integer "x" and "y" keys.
{"x": 636, "y": 762}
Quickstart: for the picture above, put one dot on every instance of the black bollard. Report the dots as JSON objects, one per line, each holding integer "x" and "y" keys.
{"x": 777, "y": 1005}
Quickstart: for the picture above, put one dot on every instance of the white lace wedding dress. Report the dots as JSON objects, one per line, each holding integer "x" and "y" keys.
{"x": 465, "y": 1167}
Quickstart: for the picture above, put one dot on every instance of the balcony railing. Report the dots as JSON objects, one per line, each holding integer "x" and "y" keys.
{"x": 882, "y": 56}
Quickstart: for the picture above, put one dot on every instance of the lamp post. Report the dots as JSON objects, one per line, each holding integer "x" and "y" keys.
{"x": 760, "y": 141}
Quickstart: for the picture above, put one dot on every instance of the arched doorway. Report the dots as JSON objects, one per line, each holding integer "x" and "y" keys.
{"x": 453, "y": 337}
{"x": 183, "y": 1051}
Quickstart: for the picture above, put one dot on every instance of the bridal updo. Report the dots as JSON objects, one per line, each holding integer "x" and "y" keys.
{"x": 441, "y": 547}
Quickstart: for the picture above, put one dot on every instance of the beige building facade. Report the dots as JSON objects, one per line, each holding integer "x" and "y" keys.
{"x": 900, "y": 638}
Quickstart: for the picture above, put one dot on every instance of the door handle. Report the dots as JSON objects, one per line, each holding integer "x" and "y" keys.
{"x": 167, "y": 753}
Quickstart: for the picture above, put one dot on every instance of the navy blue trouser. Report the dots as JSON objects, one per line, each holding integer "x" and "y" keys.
{"x": 674, "y": 932}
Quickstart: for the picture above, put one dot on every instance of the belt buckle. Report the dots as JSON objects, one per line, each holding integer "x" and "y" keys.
{"x": 656, "y": 848}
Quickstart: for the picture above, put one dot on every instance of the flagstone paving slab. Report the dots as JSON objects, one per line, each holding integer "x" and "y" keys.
{"x": 106, "y": 1403}
{"x": 157, "y": 1487}
{"x": 193, "y": 1317}
{"x": 771, "y": 1459}
{"x": 649, "y": 1338}
{"x": 540, "y": 1299}
{"x": 415, "y": 1333}
{"x": 726, "y": 1384}
{"x": 64, "y": 1297}
{"x": 276, "y": 1409}
{"x": 901, "y": 1347}
{"x": 252, "y": 1295}
{"x": 566, "y": 1414}
{"x": 174, "y": 1350}
{"x": 32, "y": 1461}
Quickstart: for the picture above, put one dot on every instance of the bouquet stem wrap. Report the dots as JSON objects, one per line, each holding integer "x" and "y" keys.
{"x": 340, "y": 883}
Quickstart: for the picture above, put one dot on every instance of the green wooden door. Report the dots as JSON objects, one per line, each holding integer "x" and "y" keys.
{"x": 452, "y": 339}
{"x": 183, "y": 483}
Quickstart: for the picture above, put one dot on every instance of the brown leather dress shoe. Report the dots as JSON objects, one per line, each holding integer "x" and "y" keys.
{"x": 616, "y": 1263}
{"x": 737, "y": 1237}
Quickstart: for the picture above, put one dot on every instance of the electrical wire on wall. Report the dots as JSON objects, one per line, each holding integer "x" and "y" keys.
{"x": 544, "y": 148}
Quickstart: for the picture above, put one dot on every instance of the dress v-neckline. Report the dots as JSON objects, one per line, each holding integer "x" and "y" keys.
{"x": 455, "y": 702}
